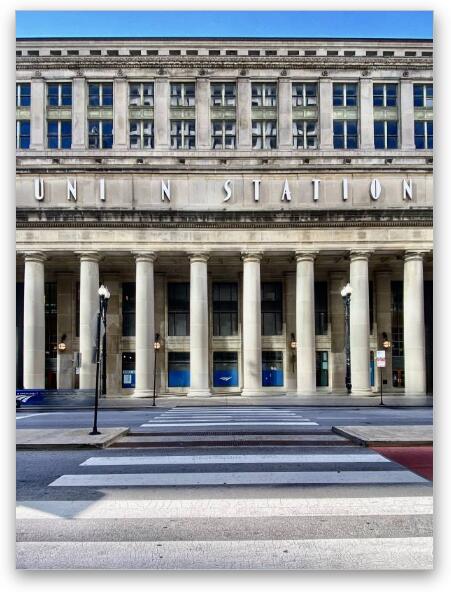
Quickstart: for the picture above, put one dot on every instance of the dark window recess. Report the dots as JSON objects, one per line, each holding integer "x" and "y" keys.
{"x": 152, "y": 52}
{"x": 128, "y": 369}
{"x": 51, "y": 338}
{"x": 349, "y": 54}
{"x": 135, "y": 52}
{"x": 95, "y": 52}
{"x": 321, "y": 308}
{"x": 178, "y": 369}
{"x": 19, "y": 334}
{"x": 174, "y": 52}
{"x": 178, "y": 308}
{"x": 214, "y": 52}
{"x": 128, "y": 309}
{"x": 410, "y": 54}
{"x": 270, "y": 52}
{"x": 371, "y": 304}
{"x": 77, "y": 309}
{"x": 225, "y": 369}
{"x": 18, "y": 53}
{"x": 192, "y": 52}
{"x": 332, "y": 52}
{"x": 253, "y": 52}
{"x": 231, "y": 52}
{"x": 272, "y": 368}
{"x": 112, "y": 52}
{"x": 429, "y": 340}
{"x": 73, "y": 52}
{"x": 322, "y": 368}
{"x": 310, "y": 52}
{"x": 33, "y": 52}
{"x": 271, "y": 307}
{"x": 371, "y": 54}
{"x": 388, "y": 54}
{"x": 426, "y": 54}
{"x": 397, "y": 323}
{"x": 55, "y": 52}
{"x": 293, "y": 52}
{"x": 225, "y": 308}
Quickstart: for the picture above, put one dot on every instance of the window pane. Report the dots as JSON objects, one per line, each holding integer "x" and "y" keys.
{"x": 94, "y": 95}
{"x": 338, "y": 94}
{"x": 66, "y": 94}
{"x": 134, "y": 94}
{"x": 351, "y": 95}
{"x": 418, "y": 95}
{"x": 66, "y": 128}
{"x": 52, "y": 95}
{"x": 378, "y": 95}
{"x": 107, "y": 99}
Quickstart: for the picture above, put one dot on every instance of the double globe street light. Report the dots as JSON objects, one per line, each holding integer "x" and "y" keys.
{"x": 346, "y": 295}
{"x": 104, "y": 296}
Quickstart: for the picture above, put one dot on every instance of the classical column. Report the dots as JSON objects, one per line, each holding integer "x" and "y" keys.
{"x": 203, "y": 114}
{"x": 89, "y": 307}
{"x": 414, "y": 335}
{"x": 37, "y": 114}
{"x": 244, "y": 116}
{"x": 383, "y": 319}
{"x": 407, "y": 115}
{"x": 120, "y": 134}
{"x": 252, "y": 334}
{"x": 285, "y": 115}
{"x": 360, "y": 323}
{"x": 161, "y": 113}
{"x": 199, "y": 383}
{"x": 337, "y": 281}
{"x": 34, "y": 322}
{"x": 145, "y": 325}
{"x": 366, "y": 114}
{"x": 79, "y": 113}
{"x": 305, "y": 323}
{"x": 326, "y": 141}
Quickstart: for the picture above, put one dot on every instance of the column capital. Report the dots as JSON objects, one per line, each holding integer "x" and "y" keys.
{"x": 360, "y": 254}
{"x": 198, "y": 257}
{"x": 414, "y": 255}
{"x": 93, "y": 256}
{"x": 35, "y": 256}
{"x": 305, "y": 255}
{"x": 251, "y": 256}
{"x": 149, "y": 256}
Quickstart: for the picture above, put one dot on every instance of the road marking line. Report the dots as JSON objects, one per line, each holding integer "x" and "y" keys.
{"x": 233, "y": 459}
{"x": 223, "y": 508}
{"x": 228, "y": 423}
{"x": 33, "y": 415}
{"x": 243, "y": 478}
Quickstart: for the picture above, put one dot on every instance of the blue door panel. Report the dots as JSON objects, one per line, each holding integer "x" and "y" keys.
{"x": 225, "y": 378}
{"x": 179, "y": 378}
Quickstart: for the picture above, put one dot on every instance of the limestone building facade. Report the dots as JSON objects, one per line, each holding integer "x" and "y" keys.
{"x": 224, "y": 190}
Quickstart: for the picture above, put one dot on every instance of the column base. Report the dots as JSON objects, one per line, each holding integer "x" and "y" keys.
{"x": 198, "y": 393}
{"x": 254, "y": 393}
{"x": 142, "y": 393}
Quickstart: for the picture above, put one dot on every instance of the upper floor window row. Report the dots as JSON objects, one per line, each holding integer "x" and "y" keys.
{"x": 183, "y": 94}
{"x": 23, "y": 94}
{"x": 141, "y": 94}
{"x": 59, "y": 94}
{"x": 223, "y": 94}
{"x": 100, "y": 94}
{"x": 423, "y": 95}
{"x": 264, "y": 94}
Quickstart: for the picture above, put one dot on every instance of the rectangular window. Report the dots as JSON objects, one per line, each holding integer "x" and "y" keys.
{"x": 223, "y": 94}
{"x": 423, "y": 95}
{"x": 322, "y": 368}
{"x": 385, "y": 95}
{"x": 272, "y": 368}
{"x": 271, "y": 308}
{"x": 128, "y": 309}
{"x": 385, "y": 135}
{"x": 23, "y": 94}
{"x": 264, "y": 94}
{"x": 178, "y": 308}
{"x": 141, "y": 94}
{"x": 223, "y": 134}
{"x": 59, "y": 94}
{"x": 397, "y": 328}
{"x": 178, "y": 369}
{"x": 183, "y": 134}
{"x": 51, "y": 335}
{"x": 264, "y": 134}
{"x": 100, "y": 94}
{"x": 128, "y": 369}
{"x": 424, "y": 135}
{"x": 344, "y": 94}
{"x": 59, "y": 134}
{"x": 304, "y": 94}
{"x": 345, "y": 134}
{"x": 141, "y": 134}
{"x": 305, "y": 134}
{"x": 225, "y": 369}
{"x": 100, "y": 133}
{"x": 225, "y": 308}
{"x": 23, "y": 134}
{"x": 321, "y": 308}
{"x": 183, "y": 94}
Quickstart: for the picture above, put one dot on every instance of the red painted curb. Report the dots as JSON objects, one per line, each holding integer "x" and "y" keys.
{"x": 418, "y": 459}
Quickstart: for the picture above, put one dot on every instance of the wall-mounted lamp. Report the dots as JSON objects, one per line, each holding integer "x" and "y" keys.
{"x": 61, "y": 345}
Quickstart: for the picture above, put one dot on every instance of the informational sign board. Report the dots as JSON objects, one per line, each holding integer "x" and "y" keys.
{"x": 380, "y": 358}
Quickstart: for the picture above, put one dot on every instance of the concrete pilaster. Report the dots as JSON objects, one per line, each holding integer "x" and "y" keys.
{"x": 37, "y": 114}
{"x": 305, "y": 323}
{"x": 120, "y": 107}
{"x": 383, "y": 319}
{"x": 79, "y": 114}
{"x": 366, "y": 114}
{"x": 360, "y": 323}
{"x": 161, "y": 113}
{"x": 407, "y": 115}
{"x": 64, "y": 365}
{"x": 244, "y": 117}
{"x": 89, "y": 307}
{"x": 199, "y": 360}
{"x": 145, "y": 325}
{"x": 337, "y": 281}
{"x": 203, "y": 114}
{"x": 252, "y": 339}
{"x": 34, "y": 322}
{"x": 326, "y": 141}
{"x": 414, "y": 333}
{"x": 285, "y": 114}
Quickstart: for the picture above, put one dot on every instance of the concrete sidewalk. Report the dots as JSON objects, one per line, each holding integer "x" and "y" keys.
{"x": 387, "y": 435}
{"x": 74, "y": 438}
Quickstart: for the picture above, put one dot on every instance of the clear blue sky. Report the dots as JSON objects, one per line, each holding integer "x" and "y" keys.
{"x": 405, "y": 24}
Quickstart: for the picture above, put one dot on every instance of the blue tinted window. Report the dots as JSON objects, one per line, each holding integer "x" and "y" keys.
{"x": 94, "y": 95}
{"x": 24, "y": 135}
{"x": 66, "y": 94}
{"x": 338, "y": 95}
{"x": 52, "y": 95}
{"x": 107, "y": 99}
{"x": 392, "y": 91}
{"x": 430, "y": 132}
{"x": 23, "y": 94}
{"x": 351, "y": 95}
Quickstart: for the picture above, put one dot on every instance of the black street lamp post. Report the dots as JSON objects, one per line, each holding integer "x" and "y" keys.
{"x": 104, "y": 296}
{"x": 346, "y": 295}
{"x": 386, "y": 344}
{"x": 156, "y": 347}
